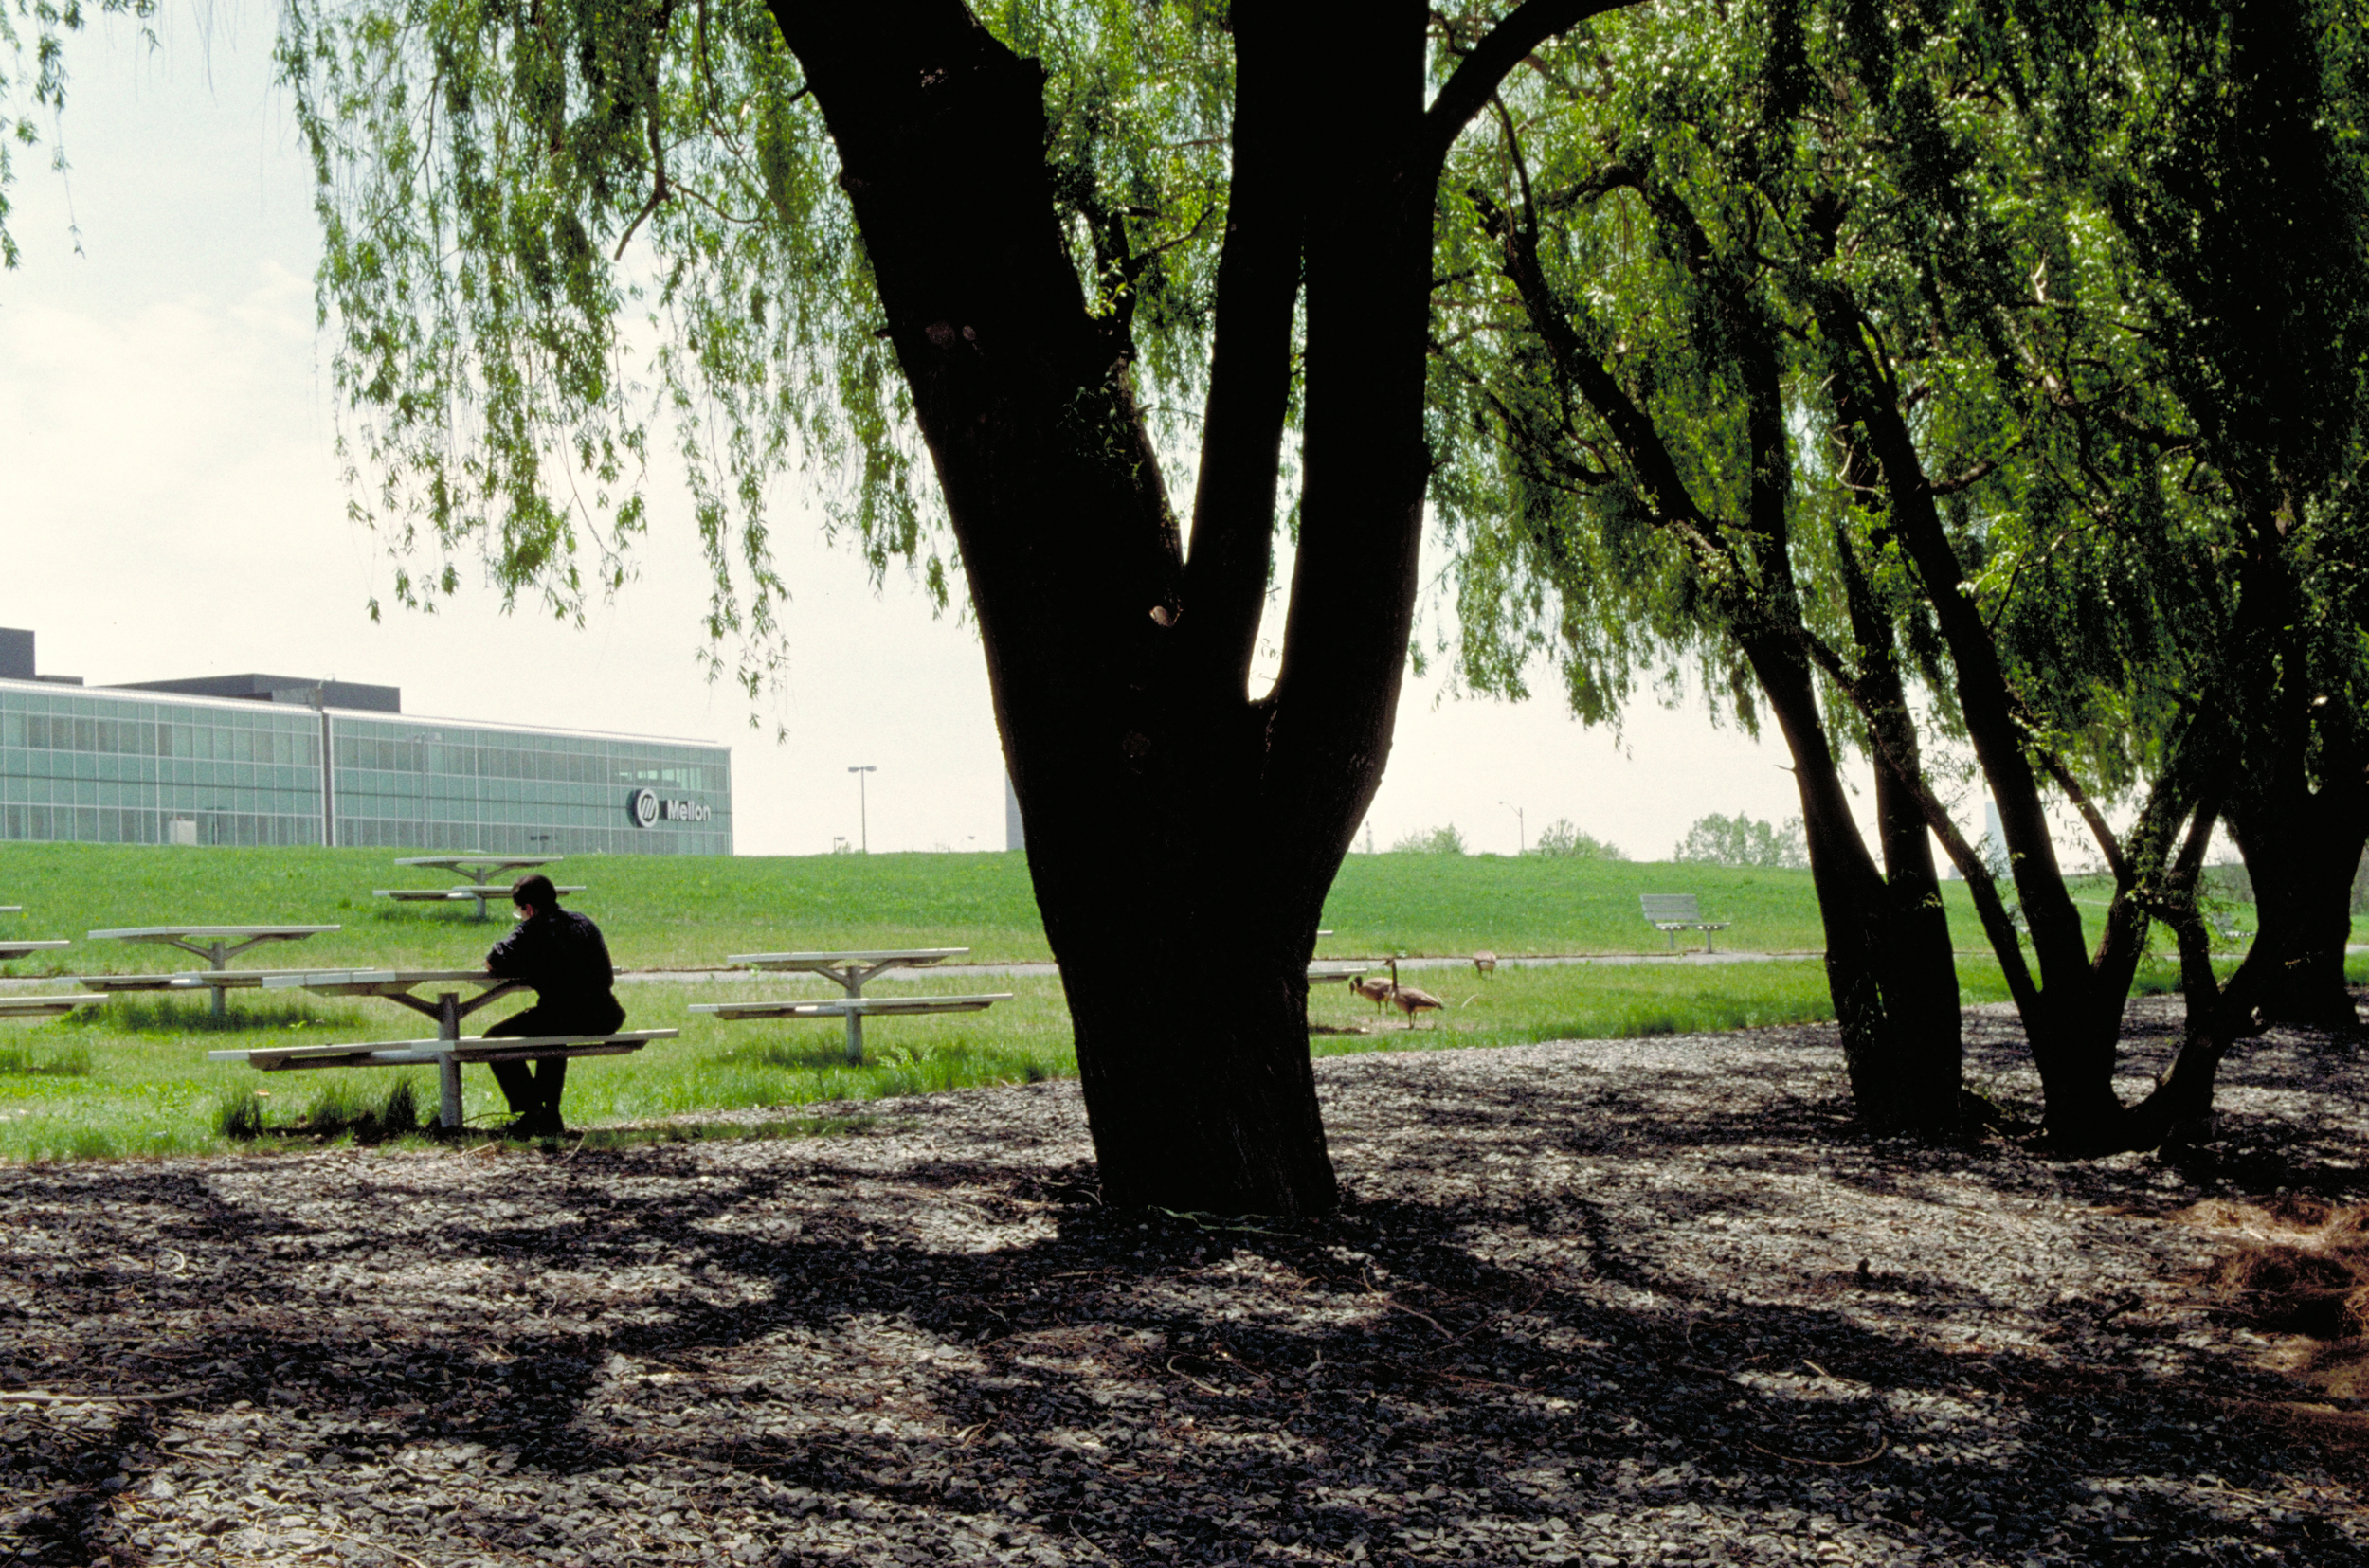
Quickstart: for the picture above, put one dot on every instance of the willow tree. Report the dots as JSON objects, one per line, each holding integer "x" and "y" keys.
{"x": 1618, "y": 369}
{"x": 978, "y": 269}
{"x": 2246, "y": 189}
{"x": 1803, "y": 338}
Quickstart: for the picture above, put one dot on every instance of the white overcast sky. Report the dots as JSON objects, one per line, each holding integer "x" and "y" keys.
{"x": 171, "y": 504}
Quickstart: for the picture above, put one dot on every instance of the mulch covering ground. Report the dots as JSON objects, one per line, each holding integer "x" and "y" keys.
{"x": 1612, "y": 1301}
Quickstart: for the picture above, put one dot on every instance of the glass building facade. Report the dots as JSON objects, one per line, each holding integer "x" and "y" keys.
{"x": 114, "y": 766}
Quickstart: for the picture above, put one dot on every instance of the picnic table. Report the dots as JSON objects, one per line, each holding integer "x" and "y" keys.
{"x": 480, "y": 868}
{"x": 1333, "y": 971}
{"x": 217, "y": 945}
{"x": 399, "y": 986}
{"x": 852, "y": 971}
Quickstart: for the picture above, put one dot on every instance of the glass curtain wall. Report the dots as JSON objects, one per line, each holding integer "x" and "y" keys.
{"x": 430, "y": 785}
{"x": 96, "y": 768}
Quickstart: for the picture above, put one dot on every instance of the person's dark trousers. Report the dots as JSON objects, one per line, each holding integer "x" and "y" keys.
{"x": 533, "y": 1088}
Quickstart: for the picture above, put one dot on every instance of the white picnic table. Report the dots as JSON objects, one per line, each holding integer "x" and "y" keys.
{"x": 217, "y": 945}
{"x": 398, "y": 986}
{"x": 852, "y": 971}
{"x": 478, "y": 867}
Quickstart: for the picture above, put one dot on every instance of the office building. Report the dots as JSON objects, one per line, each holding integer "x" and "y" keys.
{"x": 256, "y": 759}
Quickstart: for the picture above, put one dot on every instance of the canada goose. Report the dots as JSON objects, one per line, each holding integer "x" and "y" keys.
{"x": 1373, "y": 988}
{"x": 1408, "y": 999}
{"x": 1484, "y": 963}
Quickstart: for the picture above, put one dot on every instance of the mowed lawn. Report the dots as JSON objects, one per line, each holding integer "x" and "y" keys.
{"x": 131, "y": 1077}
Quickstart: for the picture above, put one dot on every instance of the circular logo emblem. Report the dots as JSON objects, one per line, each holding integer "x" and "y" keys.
{"x": 644, "y": 805}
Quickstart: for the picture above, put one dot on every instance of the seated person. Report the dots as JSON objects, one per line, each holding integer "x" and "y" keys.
{"x": 563, "y": 957}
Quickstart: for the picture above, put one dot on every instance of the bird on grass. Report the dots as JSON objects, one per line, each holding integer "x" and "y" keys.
{"x": 1372, "y": 987}
{"x": 1483, "y": 963}
{"x": 1409, "y": 999}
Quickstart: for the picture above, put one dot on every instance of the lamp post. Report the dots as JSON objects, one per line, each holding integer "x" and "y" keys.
{"x": 863, "y": 819}
{"x": 1521, "y": 830}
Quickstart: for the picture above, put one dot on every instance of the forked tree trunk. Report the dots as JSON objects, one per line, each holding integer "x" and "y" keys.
{"x": 1181, "y": 837}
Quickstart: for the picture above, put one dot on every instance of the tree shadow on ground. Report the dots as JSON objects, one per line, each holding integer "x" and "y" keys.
{"x": 745, "y": 1354}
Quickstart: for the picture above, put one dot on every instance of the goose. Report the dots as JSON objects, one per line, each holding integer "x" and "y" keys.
{"x": 1484, "y": 963}
{"x": 1410, "y": 1001}
{"x": 1373, "y": 988}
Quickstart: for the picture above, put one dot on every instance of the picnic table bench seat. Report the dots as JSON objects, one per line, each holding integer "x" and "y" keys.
{"x": 1674, "y": 912}
{"x": 185, "y": 980}
{"x": 446, "y": 1056}
{"x": 19, "y": 946}
{"x": 469, "y": 1048}
{"x": 480, "y": 891}
{"x": 839, "y": 1007}
{"x": 43, "y": 1007}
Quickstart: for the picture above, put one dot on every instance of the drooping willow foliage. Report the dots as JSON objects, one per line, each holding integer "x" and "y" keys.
{"x": 2039, "y": 209}
{"x": 28, "y": 95}
{"x": 564, "y": 244}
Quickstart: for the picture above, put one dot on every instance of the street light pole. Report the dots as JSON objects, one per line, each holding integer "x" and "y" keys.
{"x": 1521, "y": 830}
{"x": 864, "y": 815}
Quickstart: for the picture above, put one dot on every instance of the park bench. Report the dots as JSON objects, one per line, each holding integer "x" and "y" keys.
{"x": 1674, "y": 912}
{"x": 446, "y": 1056}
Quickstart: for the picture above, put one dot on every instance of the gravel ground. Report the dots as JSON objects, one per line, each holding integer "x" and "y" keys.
{"x": 1612, "y": 1301}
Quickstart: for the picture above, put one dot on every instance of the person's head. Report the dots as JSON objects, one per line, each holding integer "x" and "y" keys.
{"x": 533, "y": 894}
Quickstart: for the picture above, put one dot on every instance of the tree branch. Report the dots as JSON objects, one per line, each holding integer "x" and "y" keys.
{"x": 1503, "y": 47}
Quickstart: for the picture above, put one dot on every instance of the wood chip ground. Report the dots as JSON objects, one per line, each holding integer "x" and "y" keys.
{"x": 1613, "y": 1302}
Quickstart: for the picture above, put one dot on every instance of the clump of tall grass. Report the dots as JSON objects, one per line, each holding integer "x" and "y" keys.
{"x": 179, "y": 1013}
{"x": 341, "y": 1108}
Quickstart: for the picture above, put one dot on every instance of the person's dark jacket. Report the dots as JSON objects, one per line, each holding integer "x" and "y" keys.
{"x": 562, "y": 956}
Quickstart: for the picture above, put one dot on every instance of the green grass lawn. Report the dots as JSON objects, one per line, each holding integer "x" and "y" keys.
{"x": 690, "y": 913}
{"x": 131, "y": 1077}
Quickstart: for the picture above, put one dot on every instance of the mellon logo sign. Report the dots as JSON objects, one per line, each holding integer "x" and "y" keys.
{"x": 648, "y": 808}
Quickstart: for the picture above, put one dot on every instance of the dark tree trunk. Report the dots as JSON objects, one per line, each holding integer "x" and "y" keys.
{"x": 1174, "y": 825}
{"x": 2072, "y": 1017}
{"x": 2302, "y": 846}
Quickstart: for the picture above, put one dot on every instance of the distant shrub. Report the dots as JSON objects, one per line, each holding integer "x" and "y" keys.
{"x": 1739, "y": 841}
{"x": 1438, "y": 840}
{"x": 1560, "y": 838}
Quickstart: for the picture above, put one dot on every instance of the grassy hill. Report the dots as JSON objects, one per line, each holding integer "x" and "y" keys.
{"x": 689, "y": 912}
